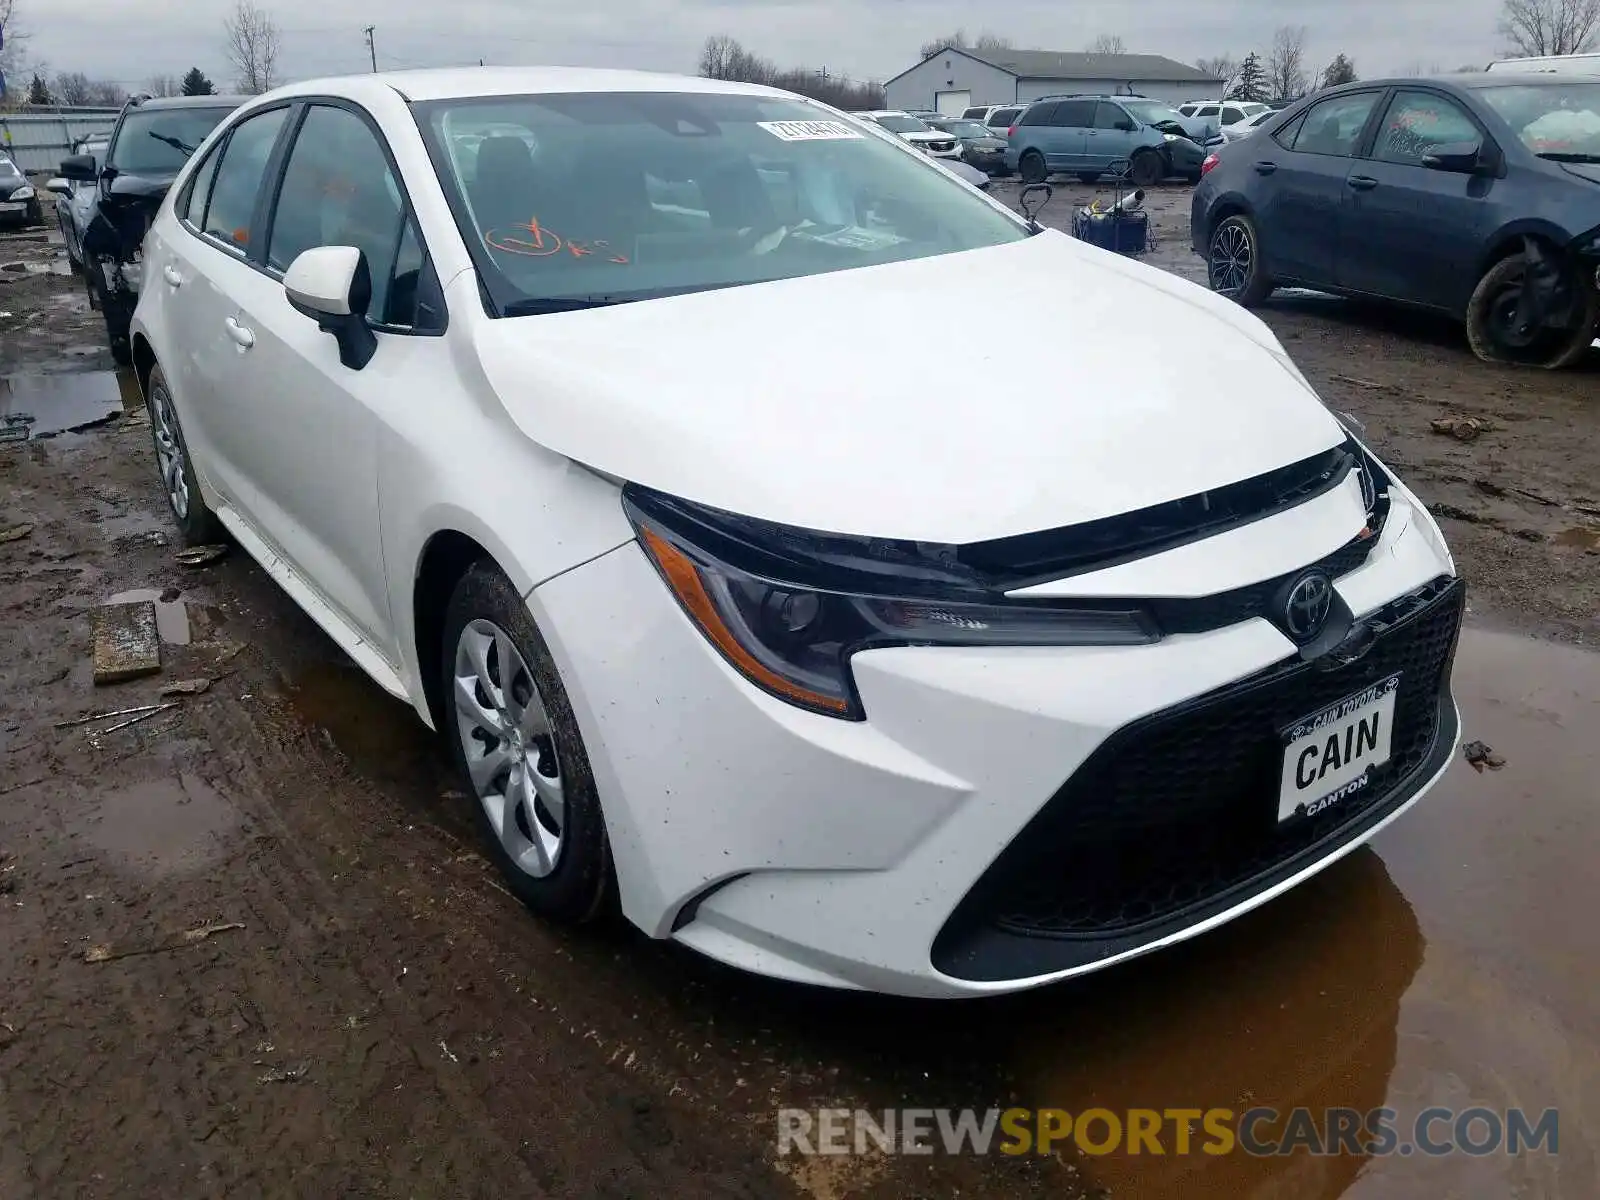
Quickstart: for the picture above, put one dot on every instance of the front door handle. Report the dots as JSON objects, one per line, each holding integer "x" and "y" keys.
{"x": 1266, "y": 168}
{"x": 1362, "y": 183}
{"x": 242, "y": 336}
{"x": 170, "y": 274}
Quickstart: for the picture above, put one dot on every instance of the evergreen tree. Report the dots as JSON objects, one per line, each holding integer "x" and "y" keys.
{"x": 196, "y": 84}
{"x": 1340, "y": 70}
{"x": 1252, "y": 83}
{"x": 39, "y": 91}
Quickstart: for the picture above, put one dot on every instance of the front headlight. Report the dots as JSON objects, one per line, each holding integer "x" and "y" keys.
{"x": 1171, "y": 137}
{"x": 794, "y": 638}
{"x": 23, "y": 193}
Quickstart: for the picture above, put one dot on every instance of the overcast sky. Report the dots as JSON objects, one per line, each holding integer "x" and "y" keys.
{"x": 131, "y": 40}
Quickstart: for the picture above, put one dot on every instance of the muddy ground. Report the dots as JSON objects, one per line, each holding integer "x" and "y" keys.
{"x": 249, "y": 946}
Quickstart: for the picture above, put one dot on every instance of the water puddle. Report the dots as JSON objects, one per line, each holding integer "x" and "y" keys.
{"x": 382, "y": 737}
{"x": 165, "y": 826}
{"x": 40, "y": 406}
{"x": 1450, "y": 964}
{"x": 172, "y": 616}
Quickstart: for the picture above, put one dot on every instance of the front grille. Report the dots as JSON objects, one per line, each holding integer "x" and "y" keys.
{"x": 1175, "y": 816}
{"x": 941, "y": 146}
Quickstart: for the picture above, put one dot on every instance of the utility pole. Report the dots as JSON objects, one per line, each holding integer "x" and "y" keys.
{"x": 372, "y": 45}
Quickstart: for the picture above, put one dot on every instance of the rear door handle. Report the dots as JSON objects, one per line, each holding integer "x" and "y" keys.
{"x": 1266, "y": 168}
{"x": 1362, "y": 183}
{"x": 170, "y": 274}
{"x": 242, "y": 336}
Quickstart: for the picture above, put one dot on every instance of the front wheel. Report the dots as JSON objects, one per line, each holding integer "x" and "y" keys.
{"x": 1032, "y": 167}
{"x": 1147, "y": 169}
{"x": 517, "y": 745}
{"x": 1498, "y": 330}
{"x": 1233, "y": 261}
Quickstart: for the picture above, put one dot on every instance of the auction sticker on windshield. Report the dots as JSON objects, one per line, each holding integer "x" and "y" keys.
{"x": 810, "y": 131}
{"x": 1329, "y": 757}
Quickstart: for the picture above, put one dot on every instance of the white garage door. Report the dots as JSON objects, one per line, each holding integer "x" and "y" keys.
{"x": 952, "y": 104}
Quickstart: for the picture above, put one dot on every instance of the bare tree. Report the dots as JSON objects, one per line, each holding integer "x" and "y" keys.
{"x": 163, "y": 85}
{"x": 1418, "y": 67}
{"x": 252, "y": 47}
{"x": 11, "y": 56}
{"x": 723, "y": 57}
{"x": 1219, "y": 66}
{"x": 984, "y": 43}
{"x": 1286, "y": 63}
{"x": 1536, "y": 27}
{"x": 72, "y": 88}
{"x": 107, "y": 94}
{"x": 1108, "y": 43}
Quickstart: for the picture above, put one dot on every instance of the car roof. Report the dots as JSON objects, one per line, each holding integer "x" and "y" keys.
{"x": 157, "y": 103}
{"x": 476, "y": 82}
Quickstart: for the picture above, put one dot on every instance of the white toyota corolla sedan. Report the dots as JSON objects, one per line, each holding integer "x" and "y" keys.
{"x": 571, "y": 404}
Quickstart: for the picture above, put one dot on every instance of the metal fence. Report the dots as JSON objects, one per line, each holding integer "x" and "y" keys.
{"x": 38, "y": 141}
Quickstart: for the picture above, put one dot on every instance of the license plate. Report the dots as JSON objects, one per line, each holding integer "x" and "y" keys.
{"x": 13, "y": 206}
{"x": 1330, "y": 756}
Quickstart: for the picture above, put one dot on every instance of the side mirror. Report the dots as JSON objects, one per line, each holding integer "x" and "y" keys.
{"x": 333, "y": 286}
{"x": 1126, "y": 126}
{"x": 59, "y": 186}
{"x": 80, "y": 168}
{"x": 1463, "y": 158}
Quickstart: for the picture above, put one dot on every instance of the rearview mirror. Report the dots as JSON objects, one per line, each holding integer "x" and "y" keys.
{"x": 333, "y": 286}
{"x": 1461, "y": 157}
{"x": 80, "y": 168}
{"x": 59, "y": 186}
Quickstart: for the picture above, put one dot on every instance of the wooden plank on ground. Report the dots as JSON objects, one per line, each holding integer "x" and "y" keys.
{"x": 126, "y": 644}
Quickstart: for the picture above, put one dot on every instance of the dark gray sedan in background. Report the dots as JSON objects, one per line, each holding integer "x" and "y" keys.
{"x": 981, "y": 146}
{"x": 1475, "y": 195}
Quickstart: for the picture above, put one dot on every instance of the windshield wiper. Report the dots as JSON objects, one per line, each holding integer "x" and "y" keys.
{"x": 173, "y": 142}
{"x": 537, "y": 306}
{"x": 1572, "y": 156}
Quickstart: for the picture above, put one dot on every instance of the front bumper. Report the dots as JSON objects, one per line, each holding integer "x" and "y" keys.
{"x": 986, "y": 160}
{"x": 1184, "y": 157}
{"x": 923, "y": 851}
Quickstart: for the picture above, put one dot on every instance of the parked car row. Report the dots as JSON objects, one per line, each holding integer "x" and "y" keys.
{"x": 1091, "y": 135}
{"x": 1473, "y": 195}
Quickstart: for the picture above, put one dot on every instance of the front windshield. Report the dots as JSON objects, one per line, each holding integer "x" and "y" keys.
{"x": 902, "y": 124}
{"x": 1151, "y": 112}
{"x": 159, "y": 141}
{"x": 966, "y": 129}
{"x": 1560, "y": 121}
{"x": 6, "y": 167}
{"x": 612, "y": 196}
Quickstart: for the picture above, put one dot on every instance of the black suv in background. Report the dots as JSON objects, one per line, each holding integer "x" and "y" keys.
{"x": 151, "y": 142}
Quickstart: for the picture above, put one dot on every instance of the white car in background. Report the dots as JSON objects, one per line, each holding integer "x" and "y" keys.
{"x": 735, "y": 615}
{"x": 915, "y": 132}
{"x": 1248, "y": 126}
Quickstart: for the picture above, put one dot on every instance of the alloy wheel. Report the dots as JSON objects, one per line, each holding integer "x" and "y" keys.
{"x": 1232, "y": 258}
{"x": 510, "y": 753}
{"x": 169, "y": 452}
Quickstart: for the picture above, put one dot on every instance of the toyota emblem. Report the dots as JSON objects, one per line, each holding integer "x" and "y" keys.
{"x": 1307, "y": 605}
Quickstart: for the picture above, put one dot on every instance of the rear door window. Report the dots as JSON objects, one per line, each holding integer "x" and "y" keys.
{"x": 1334, "y": 127}
{"x": 1074, "y": 114}
{"x": 1040, "y": 114}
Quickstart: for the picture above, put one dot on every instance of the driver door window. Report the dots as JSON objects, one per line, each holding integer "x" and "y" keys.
{"x": 1416, "y": 123}
{"x": 338, "y": 190}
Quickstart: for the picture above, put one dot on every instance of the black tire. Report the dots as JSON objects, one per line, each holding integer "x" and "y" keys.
{"x": 1233, "y": 261}
{"x": 1146, "y": 169}
{"x": 1490, "y": 326}
{"x": 197, "y": 523}
{"x": 119, "y": 324}
{"x": 1032, "y": 167}
{"x": 581, "y": 883}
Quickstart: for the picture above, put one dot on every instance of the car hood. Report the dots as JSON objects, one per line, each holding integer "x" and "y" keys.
{"x": 927, "y": 137}
{"x": 1588, "y": 171}
{"x": 817, "y": 401}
